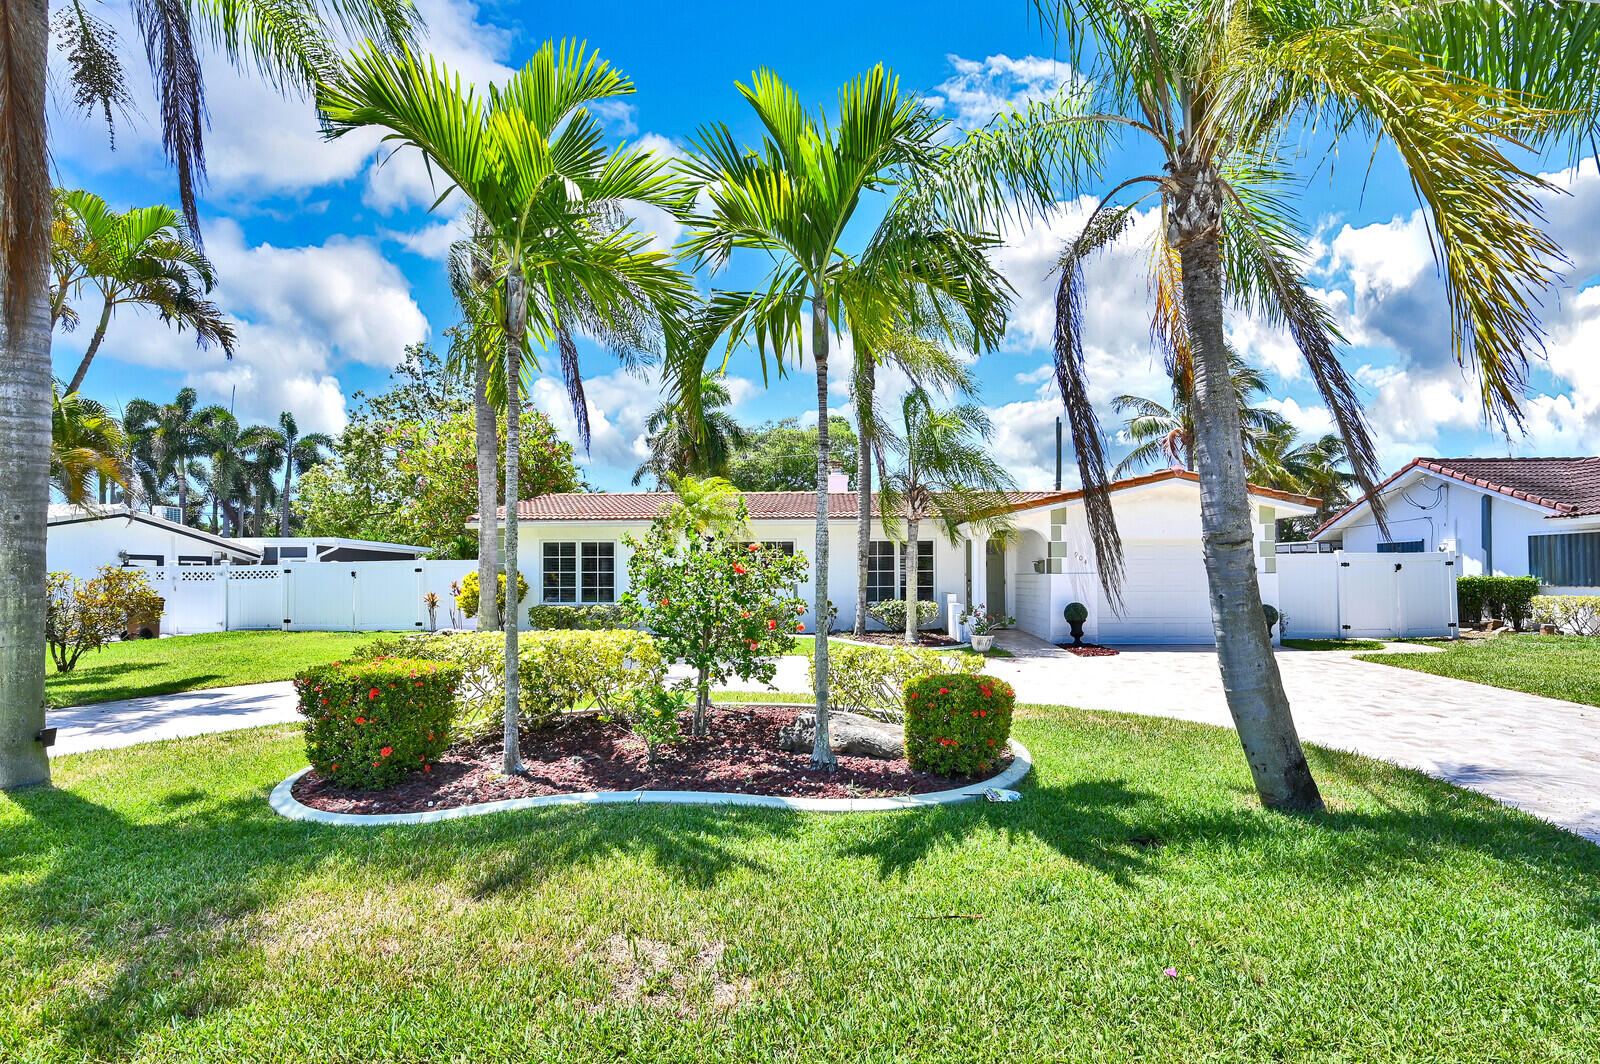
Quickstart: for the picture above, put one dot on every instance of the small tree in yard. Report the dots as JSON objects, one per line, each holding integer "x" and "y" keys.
{"x": 713, "y": 599}
{"x": 87, "y": 614}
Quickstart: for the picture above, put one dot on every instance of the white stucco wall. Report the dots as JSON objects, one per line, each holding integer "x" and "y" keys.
{"x": 83, "y": 547}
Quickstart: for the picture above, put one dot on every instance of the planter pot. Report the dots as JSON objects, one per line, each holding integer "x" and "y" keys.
{"x": 1077, "y": 633}
{"x": 1547, "y": 629}
{"x": 982, "y": 643}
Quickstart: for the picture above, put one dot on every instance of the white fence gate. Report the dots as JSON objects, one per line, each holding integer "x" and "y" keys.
{"x": 321, "y": 596}
{"x": 1367, "y": 596}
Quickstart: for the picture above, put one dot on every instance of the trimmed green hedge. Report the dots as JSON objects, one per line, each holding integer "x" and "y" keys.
{"x": 550, "y": 618}
{"x": 467, "y": 596}
{"x": 957, "y": 724}
{"x": 1506, "y": 597}
{"x": 370, "y": 724}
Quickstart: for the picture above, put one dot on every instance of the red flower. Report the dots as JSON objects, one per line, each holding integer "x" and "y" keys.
{"x": 754, "y": 547}
{"x": 944, "y": 690}
{"x": 985, "y": 690}
{"x": 361, "y": 720}
{"x": 333, "y": 768}
{"x": 745, "y": 614}
{"x": 799, "y": 626}
{"x": 430, "y": 736}
{"x": 372, "y": 695}
{"x": 772, "y": 626}
{"x": 739, "y": 569}
{"x": 663, "y": 602}
{"x": 427, "y": 768}
{"x": 386, "y": 751}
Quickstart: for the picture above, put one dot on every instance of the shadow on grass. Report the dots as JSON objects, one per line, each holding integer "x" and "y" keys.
{"x": 115, "y": 681}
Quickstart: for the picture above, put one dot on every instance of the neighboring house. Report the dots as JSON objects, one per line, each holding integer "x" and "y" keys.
{"x": 278, "y": 549}
{"x": 572, "y": 552}
{"x": 1503, "y": 516}
{"x": 81, "y": 540}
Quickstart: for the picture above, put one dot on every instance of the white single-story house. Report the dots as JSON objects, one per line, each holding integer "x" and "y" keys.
{"x": 81, "y": 540}
{"x": 283, "y": 549}
{"x": 1503, "y": 516}
{"x": 572, "y": 552}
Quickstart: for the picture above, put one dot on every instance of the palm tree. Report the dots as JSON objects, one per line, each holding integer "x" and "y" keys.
{"x": 472, "y": 352}
{"x": 86, "y": 443}
{"x": 226, "y": 452}
{"x": 793, "y": 199}
{"x": 266, "y": 448}
{"x": 944, "y": 474}
{"x": 143, "y": 257}
{"x": 1221, "y": 90}
{"x": 289, "y": 44}
{"x": 1284, "y": 460}
{"x": 678, "y": 448}
{"x": 530, "y": 159}
{"x": 1159, "y": 432}
{"x": 164, "y": 439}
{"x": 300, "y": 453}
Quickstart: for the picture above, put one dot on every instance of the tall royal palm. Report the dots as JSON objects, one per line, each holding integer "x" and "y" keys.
{"x": 228, "y": 462}
{"x": 287, "y": 43}
{"x": 793, "y": 199}
{"x": 142, "y": 257}
{"x": 1221, "y": 90}
{"x": 300, "y": 453}
{"x": 165, "y": 438}
{"x": 531, "y": 159}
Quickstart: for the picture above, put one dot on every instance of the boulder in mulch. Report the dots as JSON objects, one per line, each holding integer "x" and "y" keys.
{"x": 848, "y": 733}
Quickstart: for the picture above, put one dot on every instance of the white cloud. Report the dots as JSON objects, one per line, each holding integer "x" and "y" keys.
{"x": 981, "y": 88}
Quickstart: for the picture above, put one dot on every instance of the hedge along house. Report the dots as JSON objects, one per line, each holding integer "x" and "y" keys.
{"x": 573, "y": 553}
{"x": 1504, "y": 516}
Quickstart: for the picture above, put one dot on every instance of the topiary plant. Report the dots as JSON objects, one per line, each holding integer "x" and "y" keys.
{"x": 1075, "y": 613}
{"x": 1270, "y": 612}
{"x": 957, "y": 724}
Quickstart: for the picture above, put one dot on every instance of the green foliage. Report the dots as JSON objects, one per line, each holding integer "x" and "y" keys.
{"x": 1270, "y": 614}
{"x": 467, "y": 593}
{"x": 1075, "y": 613}
{"x": 83, "y": 615}
{"x": 782, "y": 456}
{"x": 655, "y": 716}
{"x": 872, "y": 680}
{"x": 370, "y": 724}
{"x": 553, "y": 618}
{"x": 982, "y": 622}
{"x": 1501, "y": 597}
{"x": 1573, "y": 614}
{"x": 891, "y": 613}
{"x": 957, "y": 723}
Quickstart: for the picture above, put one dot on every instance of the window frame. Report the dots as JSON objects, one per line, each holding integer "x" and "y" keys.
{"x": 578, "y": 563}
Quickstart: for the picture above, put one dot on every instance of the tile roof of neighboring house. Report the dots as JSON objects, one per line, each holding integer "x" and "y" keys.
{"x": 1569, "y": 486}
{"x": 797, "y": 505}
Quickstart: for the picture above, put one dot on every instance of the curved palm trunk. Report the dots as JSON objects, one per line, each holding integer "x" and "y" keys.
{"x": 24, "y": 389}
{"x": 1250, "y": 678}
{"x": 488, "y": 447}
{"x": 863, "y": 496}
{"x": 516, "y": 325}
{"x": 822, "y": 747}
{"x": 283, "y": 503}
{"x": 94, "y": 345}
{"x": 911, "y": 578}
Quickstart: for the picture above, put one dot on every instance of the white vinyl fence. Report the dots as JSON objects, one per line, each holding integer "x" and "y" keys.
{"x": 1367, "y": 596}
{"x": 322, "y": 596}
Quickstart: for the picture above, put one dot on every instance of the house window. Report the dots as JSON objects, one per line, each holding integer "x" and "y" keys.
{"x": 1568, "y": 560}
{"x": 193, "y": 559}
{"x": 924, "y": 572}
{"x": 1405, "y": 546}
{"x": 881, "y": 566}
{"x": 580, "y": 572}
{"x": 783, "y": 546}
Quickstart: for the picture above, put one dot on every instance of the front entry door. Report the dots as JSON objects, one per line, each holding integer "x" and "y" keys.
{"x": 995, "y": 559}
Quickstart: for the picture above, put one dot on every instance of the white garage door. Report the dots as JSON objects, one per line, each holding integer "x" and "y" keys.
{"x": 1164, "y": 596}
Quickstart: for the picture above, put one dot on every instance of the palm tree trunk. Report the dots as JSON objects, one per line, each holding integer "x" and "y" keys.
{"x": 516, "y": 324}
{"x": 24, "y": 389}
{"x": 283, "y": 503}
{"x": 94, "y": 345}
{"x": 1250, "y": 678}
{"x": 863, "y": 494}
{"x": 911, "y": 579}
{"x": 488, "y": 446}
{"x": 822, "y": 747}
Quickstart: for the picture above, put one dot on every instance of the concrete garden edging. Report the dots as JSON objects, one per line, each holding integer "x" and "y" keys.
{"x": 285, "y": 804}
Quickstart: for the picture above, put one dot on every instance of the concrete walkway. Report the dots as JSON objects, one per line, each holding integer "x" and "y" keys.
{"x": 143, "y": 720}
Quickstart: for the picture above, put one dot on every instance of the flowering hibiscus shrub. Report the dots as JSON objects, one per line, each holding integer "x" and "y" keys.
{"x": 370, "y": 724}
{"x": 725, "y": 606}
{"x": 957, "y": 724}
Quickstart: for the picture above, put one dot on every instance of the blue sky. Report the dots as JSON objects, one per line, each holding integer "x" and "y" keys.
{"x": 331, "y": 263}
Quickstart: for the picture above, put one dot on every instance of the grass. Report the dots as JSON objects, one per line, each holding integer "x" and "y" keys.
{"x": 1333, "y": 644}
{"x": 806, "y": 646}
{"x": 153, "y": 909}
{"x": 1559, "y": 666}
{"x": 143, "y": 667}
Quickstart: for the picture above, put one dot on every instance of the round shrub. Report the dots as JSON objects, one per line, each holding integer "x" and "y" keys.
{"x": 1075, "y": 613}
{"x": 467, "y": 596}
{"x": 1270, "y": 614}
{"x": 957, "y": 723}
{"x": 370, "y": 724}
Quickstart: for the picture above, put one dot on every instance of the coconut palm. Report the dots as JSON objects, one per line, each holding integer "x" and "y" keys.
{"x": 142, "y": 257}
{"x": 1220, "y": 91}
{"x": 300, "y": 453}
{"x": 1283, "y": 459}
{"x": 265, "y": 449}
{"x": 164, "y": 439}
{"x": 1162, "y": 433}
{"x": 228, "y": 461}
{"x": 288, "y": 44}
{"x": 531, "y": 160}
{"x": 793, "y": 199}
{"x": 86, "y": 444}
{"x": 943, "y": 473}
{"x": 678, "y": 448}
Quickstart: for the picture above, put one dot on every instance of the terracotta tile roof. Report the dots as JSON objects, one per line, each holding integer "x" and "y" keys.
{"x": 1569, "y": 486}
{"x": 1037, "y": 498}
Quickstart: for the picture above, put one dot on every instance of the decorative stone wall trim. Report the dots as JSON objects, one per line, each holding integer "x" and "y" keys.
{"x": 285, "y": 804}
{"x": 885, "y": 646}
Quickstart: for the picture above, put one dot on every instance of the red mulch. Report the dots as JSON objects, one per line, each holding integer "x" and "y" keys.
{"x": 1089, "y": 650}
{"x": 898, "y": 639}
{"x": 582, "y": 753}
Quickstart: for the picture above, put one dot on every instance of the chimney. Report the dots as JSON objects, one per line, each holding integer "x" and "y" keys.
{"x": 838, "y": 480}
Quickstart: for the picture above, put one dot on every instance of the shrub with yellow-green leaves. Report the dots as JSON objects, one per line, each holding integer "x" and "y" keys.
{"x": 872, "y": 680}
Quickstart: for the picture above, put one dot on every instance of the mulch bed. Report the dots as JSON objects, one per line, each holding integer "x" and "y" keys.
{"x": 582, "y": 753}
{"x": 1089, "y": 650}
{"x": 933, "y": 640}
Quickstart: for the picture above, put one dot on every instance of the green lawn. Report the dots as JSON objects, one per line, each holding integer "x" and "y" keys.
{"x": 1333, "y": 644}
{"x": 191, "y": 662}
{"x": 152, "y": 908}
{"x": 1560, "y": 666}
